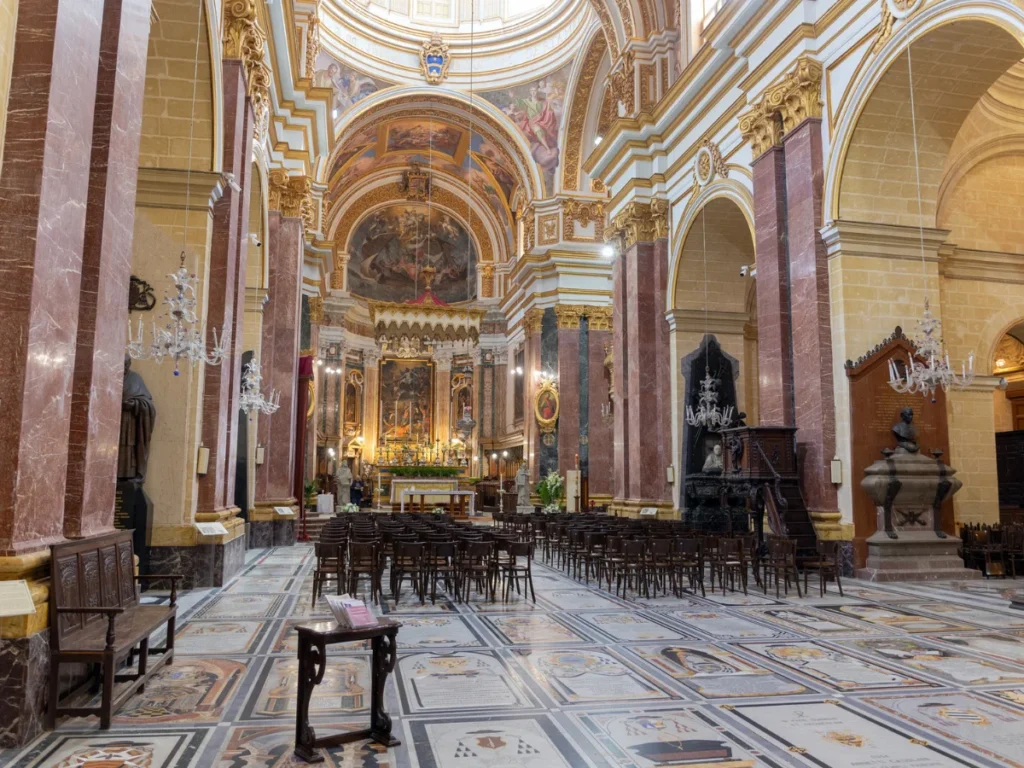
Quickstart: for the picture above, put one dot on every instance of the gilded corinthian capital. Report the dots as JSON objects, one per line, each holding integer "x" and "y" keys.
{"x": 292, "y": 196}
{"x": 796, "y": 97}
{"x": 638, "y": 223}
{"x": 243, "y": 38}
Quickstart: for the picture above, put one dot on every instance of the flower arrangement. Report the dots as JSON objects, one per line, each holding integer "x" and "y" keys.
{"x": 551, "y": 490}
{"x": 350, "y": 508}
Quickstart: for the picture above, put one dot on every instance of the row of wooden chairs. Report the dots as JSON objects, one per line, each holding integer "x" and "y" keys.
{"x": 995, "y": 550}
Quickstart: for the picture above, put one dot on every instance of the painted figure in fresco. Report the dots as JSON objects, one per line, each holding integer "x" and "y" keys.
{"x": 349, "y": 87}
{"x": 537, "y": 118}
{"x": 546, "y": 406}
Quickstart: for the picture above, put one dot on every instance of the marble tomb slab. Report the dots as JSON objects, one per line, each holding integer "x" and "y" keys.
{"x": 167, "y": 748}
{"x": 270, "y": 746}
{"x": 227, "y": 637}
{"x": 344, "y": 691}
{"x": 241, "y": 607}
{"x": 538, "y": 629}
{"x": 946, "y": 664}
{"x": 460, "y": 680}
{"x": 988, "y": 619}
{"x": 628, "y": 627}
{"x": 1008, "y": 646}
{"x": 810, "y": 621}
{"x": 890, "y": 617}
{"x": 723, "y": 625}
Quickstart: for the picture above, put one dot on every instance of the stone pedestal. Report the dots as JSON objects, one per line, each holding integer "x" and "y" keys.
{"x": 202, "y": 565}
{"x": 914, "y": 556}
{"x": 908, "y": 490}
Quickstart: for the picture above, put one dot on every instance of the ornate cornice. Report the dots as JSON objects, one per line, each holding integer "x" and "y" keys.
{"x": 783, "y": 106}
{"x": 578, "y": 113}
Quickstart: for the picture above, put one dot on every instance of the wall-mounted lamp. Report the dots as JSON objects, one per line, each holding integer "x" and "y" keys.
{"x": 836, "y": 468}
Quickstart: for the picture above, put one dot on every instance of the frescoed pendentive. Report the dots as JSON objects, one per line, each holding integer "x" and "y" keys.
{"x": 343, "y": 692}
{"x": 391, "y": 245}
{"x": 349, "y": 85}
{"x": 839, "y": 671}
{"x": 984, "y": 726}
{"x": 431, "y": 682}
{"x": 942, "y": 663}
{"x": 716, "y": 673}
{"x": 828, "y": 733}
{"x": 678, "y": 737}
{"x": 577, "y": 676}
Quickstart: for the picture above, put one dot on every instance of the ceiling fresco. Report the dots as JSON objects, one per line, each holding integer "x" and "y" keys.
{"x": 392, "y": 244}
{"x": 349, "y": 85}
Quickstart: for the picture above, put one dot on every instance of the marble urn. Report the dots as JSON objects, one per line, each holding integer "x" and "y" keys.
{"x": 908, "y": 490}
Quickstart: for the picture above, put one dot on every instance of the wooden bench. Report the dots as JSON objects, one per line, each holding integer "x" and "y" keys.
{"x": 95, "y": 618}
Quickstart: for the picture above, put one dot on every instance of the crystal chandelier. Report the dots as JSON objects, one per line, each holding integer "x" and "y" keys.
{"x": 708, "y": 415}
{"x": 179, "y": 339}
{"x": 252, "y": 400}
{"x": 925, "y": 377}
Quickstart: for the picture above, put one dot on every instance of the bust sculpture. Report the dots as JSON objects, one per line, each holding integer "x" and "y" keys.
{"x": 713, "y": 463}
{"x": 906, "y": 432}
{"x": 138, "y": 415}
{"x": 343, "y": 477}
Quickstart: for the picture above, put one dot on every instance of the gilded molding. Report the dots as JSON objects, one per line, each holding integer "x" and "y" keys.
{"x": 600, "y": 318}
{"x": 601, "y": 9}
{"x": 316, "y": 309}
{"x": 244, "y": 40}
{"x": 639, "y": 223}
{"x": 578, "y": 114}
{"x": 582, "y": 212}
{"x": 762, "y": 127}
{"x": 648, "y": 74}
{"x": 622, "y": 83}
{"x": 570, "y": 316}
{"x": 532, "y": 320}
{"x": 487, "y": 280}
{"x": 312, "y": 41}
{"x": 529, "y": 229}
{"x": 709, "y": 163}
{"x": 293, "y": 197}
{"x": 548, "y": 229}
{"x": 891, "y": 11}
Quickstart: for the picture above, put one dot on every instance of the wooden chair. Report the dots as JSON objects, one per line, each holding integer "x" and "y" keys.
{"x": 519, "y": 563}
{"x": 363, "y": 560}
{"x": 659, "y": 563}
{"x": 827, "y": 566}
{"x": 633, "y": 569}
{"x": 330, "y": 566}
{"x": 688, "y": 563}
{"x": 441, "y": 565}
{"x": 730, "y": 561}
{"x": 476, "y": 565}
{"x": 781, "y": 562}
{"x": 95, "y": 618}
{"x": 409, "y": 562}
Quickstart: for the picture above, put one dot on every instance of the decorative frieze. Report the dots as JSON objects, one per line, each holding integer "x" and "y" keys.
{"x": 487, "y": 280}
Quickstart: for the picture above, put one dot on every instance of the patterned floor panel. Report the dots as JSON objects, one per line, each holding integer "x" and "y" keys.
{"x": 889, "y": 676}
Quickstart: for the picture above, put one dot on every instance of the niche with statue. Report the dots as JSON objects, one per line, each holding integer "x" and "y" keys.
{"x": 707, "y": 504}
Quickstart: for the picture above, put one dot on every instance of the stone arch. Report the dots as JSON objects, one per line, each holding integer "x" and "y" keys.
{"x": 994, "y": 29}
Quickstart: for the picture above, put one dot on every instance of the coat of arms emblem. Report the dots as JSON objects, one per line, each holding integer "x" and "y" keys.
{"x": 435, "y": 59}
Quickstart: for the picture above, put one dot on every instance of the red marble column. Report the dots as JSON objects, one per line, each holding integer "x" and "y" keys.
{"x": 812, "y": 328}
{"x": 226, "y": 297}
{"x": 44, "y": 183}
{"x": 275, "y": 479}
{"x": 620, "y": 380}
{"x": 531, "y": 433}
{"x": 601, "y": 432}
{"x": 647, "y": 365}
{"x": 106, "y": 268}
{"x": 568, "y": 396}
{"x": 774, "y": 336}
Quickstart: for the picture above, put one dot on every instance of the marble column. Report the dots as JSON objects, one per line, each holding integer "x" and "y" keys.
{"x": 812, "y": 328}
{"x": 600, "y": 442}
{"x": 620, "y": 379}
{"x": 774, "y": 323}
{"x": 501, "y": 384}
{"x": 531, "y": 374}
{"x": 106, "y": 268}
{"x": 641, "y": 230}
{"x": 547, "y": 450}
{"x": 226, "y": 303}
{"x": 442, "y": 394}
{"x": 44, "y": 183}
{"x": 371, "y": 403}
{"x": 569, "y": 321}
{"x": 275, "y": 479}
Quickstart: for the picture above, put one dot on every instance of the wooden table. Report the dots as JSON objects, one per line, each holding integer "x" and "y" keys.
{"x": 457, "y": 501}
{"x": 314, "y": 638}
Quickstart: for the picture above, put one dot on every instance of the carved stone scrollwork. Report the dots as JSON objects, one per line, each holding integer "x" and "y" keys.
{"x": 784, "y": 106}
{"x": 709, "y": 163}
{"x": 312, "y": 42}
{"x": 292, "y": 196}
{"x": 578, "y": 113}
{"x": 622, "y": 83}
{"x": 582, "y": 212}
{"x": 487, "y": 280}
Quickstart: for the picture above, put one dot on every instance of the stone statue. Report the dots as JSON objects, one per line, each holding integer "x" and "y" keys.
{"x": 523, "y": 486}
{"x": 906, "y": 432}
{"x": 343, "y": 477}
{"x": 138, "y": 415}
{"x": 713, "y": 463}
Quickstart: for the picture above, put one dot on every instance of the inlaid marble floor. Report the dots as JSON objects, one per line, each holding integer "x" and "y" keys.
{"x": 885, "y": 677}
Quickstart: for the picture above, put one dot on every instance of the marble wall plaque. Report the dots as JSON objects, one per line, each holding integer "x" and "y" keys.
{"x": 839, "y": 671}
{"x": 944, "y": 664}
{"x": 674, "y": 738}
{"x": 828, "y": 735}
{"x": 431, "y": 682}
{"x": 715, "y": 673}
{"x": 982, "y": 726}
{"x": 579, "y": 676}
{"x": 897, "y": 618}
{"x": 725, "y": 626}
